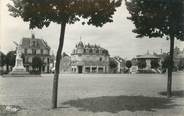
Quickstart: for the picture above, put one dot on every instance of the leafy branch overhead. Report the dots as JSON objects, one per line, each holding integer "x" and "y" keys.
{"x": 157, "y": 18}
{"x": 41, "y": 12}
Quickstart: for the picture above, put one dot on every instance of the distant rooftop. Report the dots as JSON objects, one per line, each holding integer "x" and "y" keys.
{"x": 34, "y": 42}
{"x": 147, "y": 56}
{"x": 89, "y": 49}
{"x": 82, "y": 45}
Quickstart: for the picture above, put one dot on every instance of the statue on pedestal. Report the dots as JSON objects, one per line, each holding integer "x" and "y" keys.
{"x": 18, "y": 61}
{"x": 18, "y": 69}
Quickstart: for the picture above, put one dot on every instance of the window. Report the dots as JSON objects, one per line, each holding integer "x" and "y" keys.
{"x": 38, "y": 51}
{"x": 87, "y": 69}
{"x": 26, "y": 59}
{"x": 100, "y": 69}
{"x": 94, "y": 51}
{"x": 34, "y": 44}
{"x": 93, "y": 69}
{"x": 25, "y": 51}
{"x": 45, "y": 51}
{"x": 48, "y": 60}
{"x": 84, "y": 50}
{"x": 30, "y": 59}
{"x": 29, "y": 51}
{"x": 33, "y": 51}
{"x": 90, "y": 51}
{"x": 41, "y": 51}
{"x": 45, "y": 60}
{"x": 100, "y": 59}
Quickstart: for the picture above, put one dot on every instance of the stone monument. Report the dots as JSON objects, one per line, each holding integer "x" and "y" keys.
{"x": 18, "y": 69}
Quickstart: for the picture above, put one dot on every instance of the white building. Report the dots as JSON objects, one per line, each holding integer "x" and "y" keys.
{"x": 89, "y": 59}
{"x": 36, "y": 47}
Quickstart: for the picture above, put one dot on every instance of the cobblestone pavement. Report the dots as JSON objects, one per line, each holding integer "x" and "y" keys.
{"x": 94, "y": 95}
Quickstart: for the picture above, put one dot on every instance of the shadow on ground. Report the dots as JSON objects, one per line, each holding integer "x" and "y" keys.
{"x": 179, "y": 93}
{"x": 116, "y": 104}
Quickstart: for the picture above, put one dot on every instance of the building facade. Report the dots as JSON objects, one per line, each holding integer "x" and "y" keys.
{"x": 120, "y": 64}
{"x": 148, "y": 58}
{"x": 65, "y": 63}
{"x": 35, "y": 47}
{"x": 89, "y": 59}
{"x": 178, "y": 58}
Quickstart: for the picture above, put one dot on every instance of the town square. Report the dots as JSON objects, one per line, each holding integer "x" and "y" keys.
{"x": 94, "y": 94}
{"x": 91, "y": 58}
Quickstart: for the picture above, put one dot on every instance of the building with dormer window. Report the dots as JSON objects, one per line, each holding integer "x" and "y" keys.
{"x": 87, "y": 58}
{"x": 32, "y": 47}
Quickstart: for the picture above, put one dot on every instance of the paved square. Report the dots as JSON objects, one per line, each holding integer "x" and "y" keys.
{"x": 96, "y": 95}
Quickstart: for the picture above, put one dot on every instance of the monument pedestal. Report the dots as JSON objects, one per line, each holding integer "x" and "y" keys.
{"x": 19, "y": 71}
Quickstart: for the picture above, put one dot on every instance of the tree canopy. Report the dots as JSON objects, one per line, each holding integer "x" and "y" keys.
{"x": 2, "y": 59}
{"x": 157, "y": 18}
{"x": 113, "y": 64}
{"x": 128, "y": 63}
{"x": 10, "y": 58}
{"x": 40, "y": 13}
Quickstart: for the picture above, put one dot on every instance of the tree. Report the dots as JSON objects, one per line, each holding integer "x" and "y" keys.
{"x": 10, "y": 59}
{"x": 2, "y": 59}
{"x": 181, "y": 64}
{"x": 113, "y": 65}
{"x": 165, "y": 63}
{"x": 40, "y": 13}
{"x": 141, "y": 64}
{"x": 128, "y": 64}
{"x": 2, "y": 62}
{"x": 158, "y": 18}
{"x": 154, "y": 64}
{"x": 37, "y": 63}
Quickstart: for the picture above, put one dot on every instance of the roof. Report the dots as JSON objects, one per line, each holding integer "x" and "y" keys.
{"x": 81, "y": 44}
{"x": 1, "y": 52}
{"x": 119, "y": 59}
{"x": 180, "y": 55}
{"x": 90, "y": 47}
{"x": 39, "y": 43}
{"x": 147, "y": 56}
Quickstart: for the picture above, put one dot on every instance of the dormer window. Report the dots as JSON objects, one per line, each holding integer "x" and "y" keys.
{"x": 34, "y": 44}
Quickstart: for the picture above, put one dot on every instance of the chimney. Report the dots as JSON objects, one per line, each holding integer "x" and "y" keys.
{"x": 33, "y": 36}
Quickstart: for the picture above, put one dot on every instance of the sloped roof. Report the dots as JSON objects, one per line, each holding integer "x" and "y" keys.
{"x": 119, "y": 59}
{"x": 40, "y": 43}
{"x": 81, "y": 44}
{"x": 147, "y": 56}
{"x": 1, "y": 52}
{"x": 180, "y": 55}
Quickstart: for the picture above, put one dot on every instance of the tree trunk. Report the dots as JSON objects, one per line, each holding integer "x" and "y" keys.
{"x": 170, "y": 67}
{"x": 56, "y": 74}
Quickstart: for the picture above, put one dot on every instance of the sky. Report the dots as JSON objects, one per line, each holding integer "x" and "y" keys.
{"x": 117, "y": 37}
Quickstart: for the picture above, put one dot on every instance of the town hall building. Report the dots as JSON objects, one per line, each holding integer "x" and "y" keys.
{"x": 87, "y": 58}
{"x": 32, "y": 47}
